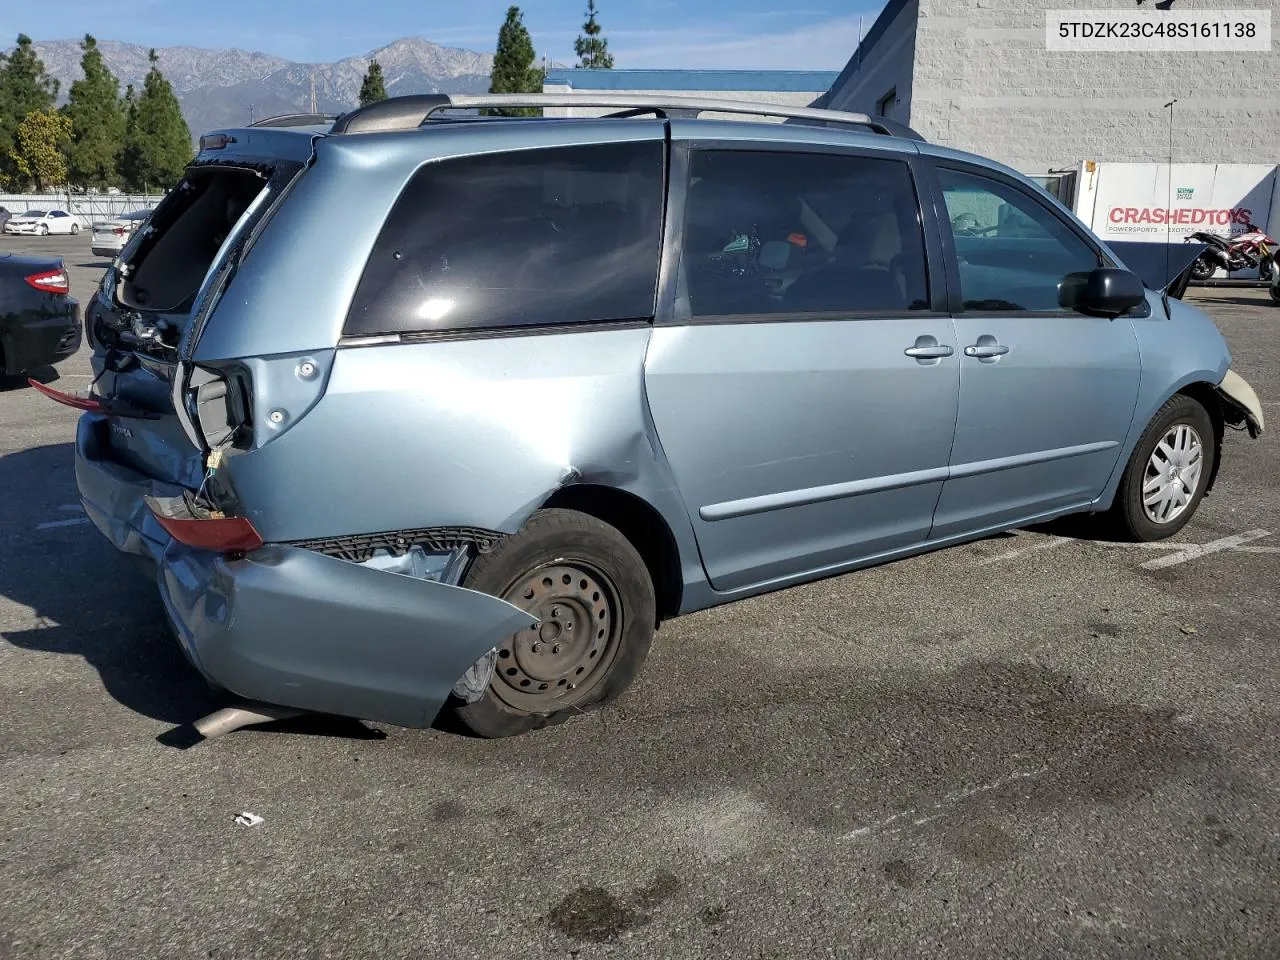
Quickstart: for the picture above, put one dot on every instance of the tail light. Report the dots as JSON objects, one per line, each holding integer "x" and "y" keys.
{"x": 118, "y": 231}
{"x": 51, "y": 281}
{"x": 234, "y": 535}
{"x": 67, "y": 399}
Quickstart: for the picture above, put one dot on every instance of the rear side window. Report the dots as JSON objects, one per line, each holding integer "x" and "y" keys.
{"x": 534, "y": 238}
{"x": 773, "y": 232}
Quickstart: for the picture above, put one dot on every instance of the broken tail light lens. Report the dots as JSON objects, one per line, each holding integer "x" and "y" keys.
{"x": 51, "y": 281}
{"x": 66, "y": 399}
{"x": 220, "y": 534}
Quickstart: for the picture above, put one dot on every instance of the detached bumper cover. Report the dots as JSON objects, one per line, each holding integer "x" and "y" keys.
{"x": 293, "y": 627}
{"x": 1237, "y": 392}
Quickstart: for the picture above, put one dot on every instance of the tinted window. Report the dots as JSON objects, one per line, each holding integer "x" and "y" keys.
{"x": 35, "y": 213}
{"x": 538, "y": 237}
{"x": 1013, "y": 251}
{"x": 801, "y": 233}
{"x": 59, "y": 213}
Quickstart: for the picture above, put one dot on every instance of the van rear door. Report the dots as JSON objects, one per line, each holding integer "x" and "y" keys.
{"x": 148, "y": 312}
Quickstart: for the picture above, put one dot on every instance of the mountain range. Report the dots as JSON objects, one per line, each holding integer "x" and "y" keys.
{"x": 219, "y": 88}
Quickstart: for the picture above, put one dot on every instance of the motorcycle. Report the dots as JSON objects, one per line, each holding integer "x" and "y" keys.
{"x": 1242, "y": 252}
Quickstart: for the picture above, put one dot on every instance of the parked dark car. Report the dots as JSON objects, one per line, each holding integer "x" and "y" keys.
{"x": 39, "y": 321}
{"x": 5, "y": 214}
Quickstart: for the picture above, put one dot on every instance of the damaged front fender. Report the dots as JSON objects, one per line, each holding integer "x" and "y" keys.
{"x": 1241, "y": 399}
{"x": 288, "y": 626}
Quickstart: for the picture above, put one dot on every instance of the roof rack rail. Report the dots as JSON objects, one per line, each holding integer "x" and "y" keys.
{"x": 295, "y": 120}
{"x": 406, "y": 113}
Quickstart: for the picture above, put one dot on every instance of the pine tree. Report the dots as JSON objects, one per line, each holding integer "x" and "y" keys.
{"x": 158, "y": 147}
{"x": 591, "y": 48}
{"x": 373, "y": 88}
{"x": 97, "y": 121}
{"x": 25, "y": 88}
{"x": 40, "y": 154}
{"x": 513, "y": 70}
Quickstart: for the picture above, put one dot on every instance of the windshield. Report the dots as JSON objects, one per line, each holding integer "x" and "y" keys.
{"x": 137, "y": 215}
{"x": 36, "y": 213}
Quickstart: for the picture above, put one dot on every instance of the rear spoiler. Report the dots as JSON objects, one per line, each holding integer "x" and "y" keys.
{"x": 1162, "y": 267}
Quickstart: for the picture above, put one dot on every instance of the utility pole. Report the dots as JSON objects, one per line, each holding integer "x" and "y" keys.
{"x": 313, "y": 92}
{"x": 251, "y": 114}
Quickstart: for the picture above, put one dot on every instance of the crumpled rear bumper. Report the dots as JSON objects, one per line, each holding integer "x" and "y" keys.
{"x": 293, "y": 627}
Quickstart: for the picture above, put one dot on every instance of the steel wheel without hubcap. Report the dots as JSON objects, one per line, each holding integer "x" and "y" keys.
{"x": 559, "y": 661}
{"x": 1173, "y": 474}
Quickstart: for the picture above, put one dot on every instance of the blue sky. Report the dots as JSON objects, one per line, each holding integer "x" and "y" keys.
{"x": 808, "y": 34}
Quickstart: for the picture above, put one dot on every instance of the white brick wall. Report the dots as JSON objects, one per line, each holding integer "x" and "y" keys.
{"x": 983, "y": 81}
{"x": 802, "y": 99}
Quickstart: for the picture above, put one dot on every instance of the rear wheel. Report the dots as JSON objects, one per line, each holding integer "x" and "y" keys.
{"x": 75, "y": 228}
{"x": 594, "y": 600}
{"x": 1168, "y": 473}
{"x": 1201, "y": 269}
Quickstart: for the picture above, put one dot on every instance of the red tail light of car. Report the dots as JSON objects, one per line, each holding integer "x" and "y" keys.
{"x": 51, "y": 281}
{"x": 66, "y": 399}
{"x": 234, "y": 535}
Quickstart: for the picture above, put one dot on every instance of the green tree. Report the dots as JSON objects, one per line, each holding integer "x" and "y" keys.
{"x": 25, "y": 87}
{"x": 591, "y": 48}
{"x": 42, "y": 140}
{"x": 513, "y": 70}
{"x": 373, "y": 88}
{"x": 158, "y": 141}
{"x": 97, "y": 121}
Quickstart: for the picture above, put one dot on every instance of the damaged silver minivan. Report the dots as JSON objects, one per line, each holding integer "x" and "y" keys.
{"x": 416, "y": 410}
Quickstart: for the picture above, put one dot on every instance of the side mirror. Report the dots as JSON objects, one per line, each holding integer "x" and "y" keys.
{"x": 1105, "y": 292}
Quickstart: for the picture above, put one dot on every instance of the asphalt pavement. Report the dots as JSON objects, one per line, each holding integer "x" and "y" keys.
{"x": 1034, "y": 746}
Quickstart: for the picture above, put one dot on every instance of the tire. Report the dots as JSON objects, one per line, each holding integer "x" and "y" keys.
{"x": 1130, "y": 517}
{"x": 556, "y": 670}
{"x": 75, "y": 228}
{"x": 44, "y": 229}
{"x": 1274, "y": 290}
{"x": 1202, "y": 269}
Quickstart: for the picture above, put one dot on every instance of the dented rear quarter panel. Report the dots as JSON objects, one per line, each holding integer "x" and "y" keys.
{"x": 472, "y": 432}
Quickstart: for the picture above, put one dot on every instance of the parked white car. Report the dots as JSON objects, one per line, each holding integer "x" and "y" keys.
{"x": 42, "y": 222}
{"x": 110, "y": 236}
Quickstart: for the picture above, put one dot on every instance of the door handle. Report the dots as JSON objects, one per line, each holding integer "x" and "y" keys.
{"x": 927, "y": 348}
{"x": 987, "y": 348}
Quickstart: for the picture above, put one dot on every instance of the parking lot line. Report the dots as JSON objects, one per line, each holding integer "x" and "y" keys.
{"x": 52, "y": 524}
{"x": 1193, "y": 551}
{"x": 1010, "y": 554}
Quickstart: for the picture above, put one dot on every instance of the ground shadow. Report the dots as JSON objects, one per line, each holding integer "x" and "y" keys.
{"x": 46, "y": 374}
{"x": 1235, "y": 301}
{"x": 91, "y": 601}
{"x": 96, "y": 603}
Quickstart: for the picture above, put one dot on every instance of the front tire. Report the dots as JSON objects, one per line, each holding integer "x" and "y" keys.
{"x": 595, "y": 603}
{"x": 44, "y": 229}
{"x": 1168, "y": 473}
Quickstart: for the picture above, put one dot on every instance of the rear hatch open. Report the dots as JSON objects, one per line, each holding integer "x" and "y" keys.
{"x": 149, "y": 311}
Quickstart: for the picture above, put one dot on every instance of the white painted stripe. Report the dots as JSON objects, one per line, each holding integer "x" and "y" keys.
{"x": 940, "y": 808}
{"x": 1193, "y": 551}
{"x": 72, "y": 507}
{"x": 1049, "y": 544}
{"x": 53, "y": 524}
{"x": 1257, "y": 550}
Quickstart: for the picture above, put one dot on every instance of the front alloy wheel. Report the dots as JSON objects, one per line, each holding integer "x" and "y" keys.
{"x": 1167, "y": 474}
{"x": 1173, "y": 474}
